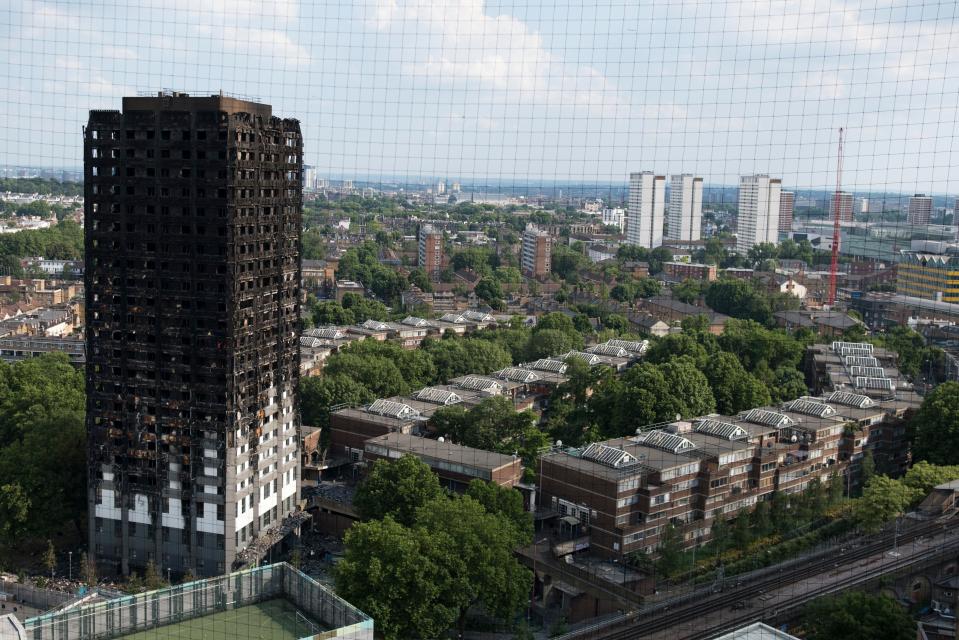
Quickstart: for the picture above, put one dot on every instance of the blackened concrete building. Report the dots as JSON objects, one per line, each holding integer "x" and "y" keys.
{"x": 193, "y": 216}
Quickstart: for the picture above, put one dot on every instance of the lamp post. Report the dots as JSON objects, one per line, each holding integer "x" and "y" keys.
{"x": 169, "y": 581}
{"x": 70, "y": 570}
{"x": 532, "y": 595}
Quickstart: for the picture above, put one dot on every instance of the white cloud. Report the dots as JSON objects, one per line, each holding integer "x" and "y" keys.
{"x": 461, "y": 43}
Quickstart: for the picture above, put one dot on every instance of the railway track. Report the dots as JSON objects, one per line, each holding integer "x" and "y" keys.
{"x": 659, "y": 616}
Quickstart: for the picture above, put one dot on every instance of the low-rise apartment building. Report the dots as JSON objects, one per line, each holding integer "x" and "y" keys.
{"x": 679, "y": 271}
{"x": 625, "y": 492}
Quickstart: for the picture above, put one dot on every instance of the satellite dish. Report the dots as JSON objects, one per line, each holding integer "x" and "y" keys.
{"x": 441, "y": 439}
{"x": 559, "y": 443}
{"x": 639, "y": 430}
{"x": 794, "y": 438}
{"x": 679, "y": 417}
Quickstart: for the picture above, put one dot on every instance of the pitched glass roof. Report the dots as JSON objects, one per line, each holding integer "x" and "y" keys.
{"x": 548, "y": 364}
{"x": 479, "y": 383}
{"x": 872, "y": 372}
{"x": 588, "y": 358}
{"x": 517, "y": 374}
{"x": 607, "y": 349}
{"x": 809, "y": 407}
{"x": 392, "y": 409}
{"x": 609, "y": 456}
{"x": 665, "y": 441}
{"x": 851, "y": 399}
{"x": 437, "y": 396}
{"x": 631, "y": 346}
{"x": 720, "y": 429}
{"x": 884, "y": 384}
{"x": 766, "y": 418}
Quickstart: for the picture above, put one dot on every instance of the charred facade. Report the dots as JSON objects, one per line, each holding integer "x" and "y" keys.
{"x": 193, "y": 216}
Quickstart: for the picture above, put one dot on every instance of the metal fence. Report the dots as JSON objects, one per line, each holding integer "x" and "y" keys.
{"x": 192, "y": 600}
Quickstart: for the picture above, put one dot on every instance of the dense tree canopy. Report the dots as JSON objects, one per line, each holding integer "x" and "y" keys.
{"x": 363, "y": 264}
{"x": 734, "y": 388}
{"x": 400, "y": 577}
{"x": 856, "y": 615}
{"x": 42, "y": 446}
{"x": 396, "y": 489}
{"x": 445, "y": 552}
{"x": 318, "y": 394}
{"x": 63, "y": 241}
{"x": 493, "y": 425}
{"x": 936, "y": 426}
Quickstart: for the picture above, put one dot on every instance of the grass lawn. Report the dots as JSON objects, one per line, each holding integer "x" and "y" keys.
{"x": 269, "y": 620}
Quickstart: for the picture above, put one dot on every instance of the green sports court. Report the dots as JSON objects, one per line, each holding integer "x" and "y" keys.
{"x": 275, "y": 619}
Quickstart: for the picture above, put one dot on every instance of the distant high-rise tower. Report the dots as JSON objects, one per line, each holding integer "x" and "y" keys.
{"x": 758, "y": 219}
{"x": 537, "y": 248}
{"x": 787, "y": 201}
{"x": 845, "y": 206}
{"x": 193, "y": 215}
{"x": 430, "y": 256}
{"x": 920, "y": 209}
{"x": 440, "y": 187}
{"x": 685, "y": 208}
{"x": 864, "y": 206}
{"x": 644, "y": 221}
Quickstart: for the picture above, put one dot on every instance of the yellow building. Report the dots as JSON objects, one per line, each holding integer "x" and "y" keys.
{"x": 934, "y": 276}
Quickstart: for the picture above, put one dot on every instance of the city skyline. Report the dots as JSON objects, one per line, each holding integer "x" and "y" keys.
{"x": 471, "y": 88}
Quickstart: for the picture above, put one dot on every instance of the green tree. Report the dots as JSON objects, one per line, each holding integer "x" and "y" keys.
{"x": 488, "y": 290}
{"x": 688, "y": 386}
{"x": 152, "y": 578}
{"x": 364, "y": 309}
{"x": 616, "y": 322}
{"x": 923, "y": 477}
{"x": 788, "y": 384}
{"x": 720, "y": 532}
{"x": 762, "y": 524}
{"x": 325, "y": 313}
{"x": 671, "y": 553}
{"x": 856, "y": 615}
{"x": 742, "y": 530}
{"x": 545, "y": 343}
{"x": 639, "y": 397}
{"x": 396, "y": 489}
{"x": 675, "y": 345}
{"x": 318, "y": 394}
{"x": 688, "y": 290}
{"x": 486, "y": 571}
{"x": 400, "y": 577}
{"x": 50, "y": 558}
{"x": 882, "y": 501}
{"x": 378, "y": 374}
{"x": 936, "y": 426}
{"x": 867, "y": 468}
{"x": 14, "y": 510}
{"x": 739, "y": 299}
{"x": 88, "y": 570}
{"x": 493, "y": 425}
{"x": 733, "y": 388}
{"x": 420, "y": 278}
{"x": 505, "y": 501}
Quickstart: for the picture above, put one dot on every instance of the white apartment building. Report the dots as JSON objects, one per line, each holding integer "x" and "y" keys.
{"x": 644, "y": 223}
{"x": 615, "y": 217}
{"x": 758, "y": 211}
{"x": 920, "y": 209}
{"x": 685, "y": 208}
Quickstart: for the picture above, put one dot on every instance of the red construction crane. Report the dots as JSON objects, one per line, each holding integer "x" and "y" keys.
{"x": 836, "y": 209}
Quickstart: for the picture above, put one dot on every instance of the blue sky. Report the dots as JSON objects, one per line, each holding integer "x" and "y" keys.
{"x": 518, "y": 90}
